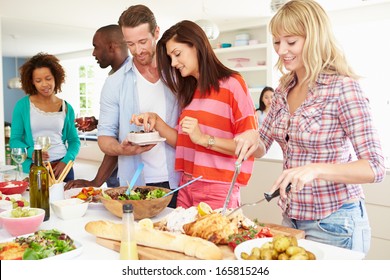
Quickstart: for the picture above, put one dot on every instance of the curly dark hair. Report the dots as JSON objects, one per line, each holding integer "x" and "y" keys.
{"x": 41, "y": 60}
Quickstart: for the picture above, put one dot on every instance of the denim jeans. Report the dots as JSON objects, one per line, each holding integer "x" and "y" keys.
{"x": 348, "y": 227}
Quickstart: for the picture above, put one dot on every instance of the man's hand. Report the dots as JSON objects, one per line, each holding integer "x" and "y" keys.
{"x": 86, "y": 123}
{"x": 80, "y": 183}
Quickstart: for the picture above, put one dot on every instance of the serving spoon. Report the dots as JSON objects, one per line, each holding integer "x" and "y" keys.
{"x": 134, "y": 179}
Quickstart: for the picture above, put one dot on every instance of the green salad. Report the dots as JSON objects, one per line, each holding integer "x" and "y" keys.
{"x": 142, "y": 194}
{"x": 45, "y": 243}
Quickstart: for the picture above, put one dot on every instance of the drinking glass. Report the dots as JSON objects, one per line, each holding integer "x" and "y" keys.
{"x": 19, "y": 155}
{"x": 83, "y": 123}
{"x": 45, "y": 142}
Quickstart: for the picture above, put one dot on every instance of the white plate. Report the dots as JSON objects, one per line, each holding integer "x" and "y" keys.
{"x": 144, "y": 143}
{"x": 69, "y": 193}
{"x": 64, "y": 256}
{"x": 247, "y": 246}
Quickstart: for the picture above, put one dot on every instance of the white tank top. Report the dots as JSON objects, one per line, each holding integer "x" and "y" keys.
{"x": 49, "y": 124}
{"x": 152, "y": 99}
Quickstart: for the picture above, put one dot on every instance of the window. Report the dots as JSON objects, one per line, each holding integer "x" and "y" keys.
{"x": 83, "y": 83}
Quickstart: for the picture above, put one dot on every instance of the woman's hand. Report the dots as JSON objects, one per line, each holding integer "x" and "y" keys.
{"x": 191, "y": 127}
{"x": 45, "y": 156}
{"x": 148, "y": 120}
{"x": 297, "y": 176}
{"x": 58, "y": 168}
{"x": 248, "y": 143}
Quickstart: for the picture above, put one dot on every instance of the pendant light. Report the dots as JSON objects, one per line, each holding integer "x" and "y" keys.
{"x": 14, "y": 83}
{"x": 276, "y": 4}
{"x": 209, "y": 27}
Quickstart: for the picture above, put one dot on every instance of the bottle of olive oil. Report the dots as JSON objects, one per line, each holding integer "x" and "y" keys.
{"x": 128, "y": 248}
{"x": 39, "y": 183}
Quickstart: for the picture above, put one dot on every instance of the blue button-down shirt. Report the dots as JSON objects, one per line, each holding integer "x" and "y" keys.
{"x": 118, "y": 102}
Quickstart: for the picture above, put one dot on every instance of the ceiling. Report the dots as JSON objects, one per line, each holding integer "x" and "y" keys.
{"x": 58, "y": 27}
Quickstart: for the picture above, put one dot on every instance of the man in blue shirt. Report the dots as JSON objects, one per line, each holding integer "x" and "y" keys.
{"x": 135, "y": 88}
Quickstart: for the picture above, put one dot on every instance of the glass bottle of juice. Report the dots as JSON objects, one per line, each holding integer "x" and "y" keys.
{"x": 39, "y": 183}
{"x": 128, "y": 248}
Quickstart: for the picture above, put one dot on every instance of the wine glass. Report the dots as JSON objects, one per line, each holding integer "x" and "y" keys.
{"x": 45, "y": 142}
{"x": 19, "y": 155}
{"x": 83, "y": 123}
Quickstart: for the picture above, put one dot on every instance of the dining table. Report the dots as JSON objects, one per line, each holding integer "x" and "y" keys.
{"x": 90, "y": 249}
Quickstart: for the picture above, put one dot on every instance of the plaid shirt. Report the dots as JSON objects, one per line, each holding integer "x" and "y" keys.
{"x": 333, "y": 125}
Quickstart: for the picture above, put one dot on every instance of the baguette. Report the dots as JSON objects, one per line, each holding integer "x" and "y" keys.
{"x": 190, "y": 246}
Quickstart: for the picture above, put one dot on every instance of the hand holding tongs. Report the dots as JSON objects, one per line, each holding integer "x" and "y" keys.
{"x": 236, "y": 172}
{"x": 267, "y": 197}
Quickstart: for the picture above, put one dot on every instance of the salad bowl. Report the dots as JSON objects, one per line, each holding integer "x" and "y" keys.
{"x": 147, "y": 201}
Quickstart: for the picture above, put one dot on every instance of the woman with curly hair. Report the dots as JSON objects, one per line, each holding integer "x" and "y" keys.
{"x": 42, "y": 113}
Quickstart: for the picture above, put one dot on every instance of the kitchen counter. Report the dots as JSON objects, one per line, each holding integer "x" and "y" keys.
{"x": 93, "y": 251}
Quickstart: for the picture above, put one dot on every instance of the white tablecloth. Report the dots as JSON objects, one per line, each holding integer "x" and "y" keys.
{"x": 92, "y": 251}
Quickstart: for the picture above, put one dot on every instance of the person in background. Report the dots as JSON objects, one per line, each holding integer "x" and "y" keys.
{"x": 137, "y": 87}
{"x": 42, "y": 113}
{"x": 110, "y": 49}
{"x": 216, "y": 107}
{"x": 323, "y": 123}
{"x": 265, "y": 100}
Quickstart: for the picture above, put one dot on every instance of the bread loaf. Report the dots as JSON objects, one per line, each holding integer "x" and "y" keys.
{"x": 190, "y": 246}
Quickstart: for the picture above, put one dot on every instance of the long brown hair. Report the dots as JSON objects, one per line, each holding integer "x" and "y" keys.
{"x": 211, "y": 70}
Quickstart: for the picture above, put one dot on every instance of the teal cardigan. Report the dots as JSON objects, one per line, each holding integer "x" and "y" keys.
{"x": 21, "y": 135}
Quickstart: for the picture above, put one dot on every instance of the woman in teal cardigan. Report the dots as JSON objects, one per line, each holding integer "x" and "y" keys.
{"x": 42, "y": 113}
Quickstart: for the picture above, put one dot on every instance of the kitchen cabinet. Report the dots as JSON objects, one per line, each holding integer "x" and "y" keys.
{"x": 250, "y": 54}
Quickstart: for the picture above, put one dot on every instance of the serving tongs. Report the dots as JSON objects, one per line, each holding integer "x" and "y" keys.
{"x": 267, "y": 196}
{"x": 236, "y": 172}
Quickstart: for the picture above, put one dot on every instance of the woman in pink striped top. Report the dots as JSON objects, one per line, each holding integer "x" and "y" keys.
{"x": 216, "y": 107}
{"x": 322, "y": 121}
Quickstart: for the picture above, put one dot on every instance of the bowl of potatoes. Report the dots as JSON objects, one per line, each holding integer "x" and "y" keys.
{"x": 279, "y": 247}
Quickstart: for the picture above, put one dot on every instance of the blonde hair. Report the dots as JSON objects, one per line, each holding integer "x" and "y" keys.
{"x": 321, "y": 53}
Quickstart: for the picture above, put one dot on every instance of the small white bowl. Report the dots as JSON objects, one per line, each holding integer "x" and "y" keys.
{"x": 69, "y": 208}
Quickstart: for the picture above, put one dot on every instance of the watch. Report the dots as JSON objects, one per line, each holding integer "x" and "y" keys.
{"x": 210, "y": 142}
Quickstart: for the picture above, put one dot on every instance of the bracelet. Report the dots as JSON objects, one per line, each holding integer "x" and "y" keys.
{"x": 210, "y": 142}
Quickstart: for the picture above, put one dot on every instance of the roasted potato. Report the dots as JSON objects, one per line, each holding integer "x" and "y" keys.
{"x": 281, "y": 248}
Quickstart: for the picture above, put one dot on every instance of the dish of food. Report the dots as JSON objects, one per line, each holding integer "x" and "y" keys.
{"x": 90, "y": 193}
{"x": 246, "y": 247}
{"x": 13, "y": 187}
{"x": 43, "y": 244}
{"x": 145, "y": 138}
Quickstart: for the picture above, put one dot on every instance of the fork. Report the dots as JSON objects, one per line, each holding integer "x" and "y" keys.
{"x": 267, "y": 197}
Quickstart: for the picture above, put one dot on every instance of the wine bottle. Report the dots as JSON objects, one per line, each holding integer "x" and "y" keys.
{"x": 128, "y": 248}
{"x": 39, "y": 183}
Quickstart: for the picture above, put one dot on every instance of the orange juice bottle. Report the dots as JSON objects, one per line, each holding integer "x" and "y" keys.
{"x": 128, "y": 248}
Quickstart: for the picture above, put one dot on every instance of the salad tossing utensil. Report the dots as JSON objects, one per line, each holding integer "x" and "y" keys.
{"x": 182, "y": 186}
{"x": 236, "y": 172}
{"x": 134, "y": 179}
{"x": 267, "y": 197}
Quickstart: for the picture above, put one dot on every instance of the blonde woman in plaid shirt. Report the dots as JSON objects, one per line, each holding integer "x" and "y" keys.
{"x": 322, "y": 121}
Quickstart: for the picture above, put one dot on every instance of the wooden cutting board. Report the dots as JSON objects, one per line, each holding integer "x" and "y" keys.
{"x": 148, "y": 253}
